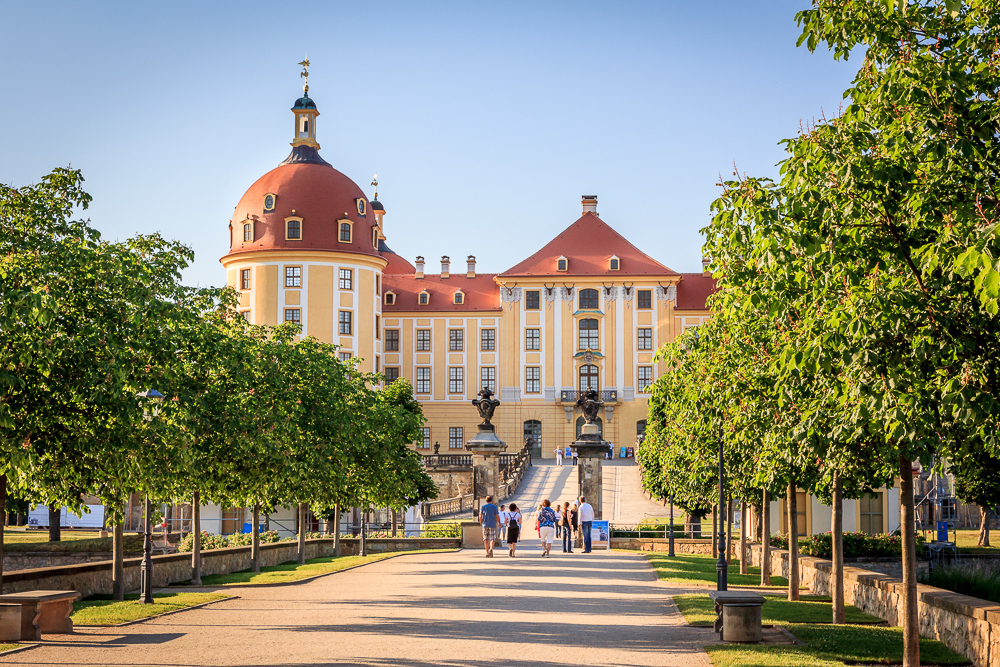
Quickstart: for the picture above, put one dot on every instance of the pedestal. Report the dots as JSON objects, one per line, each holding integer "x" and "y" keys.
{"x": 486, "y": 449}
{"x": 591, "y": 449}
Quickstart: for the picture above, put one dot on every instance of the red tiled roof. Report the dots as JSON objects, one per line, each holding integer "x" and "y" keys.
{"x": 397, "y": 265}
{"x": 588, "y": 244}
{"x": 693, "y": 291}
{"x": 481, "y": 293}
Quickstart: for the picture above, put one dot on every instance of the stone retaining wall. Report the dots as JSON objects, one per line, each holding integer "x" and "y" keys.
{"x": 685, "y": 546}
{"x": 91, "y": 578}
{"x": 31, "y": 560}
{"x": 967, "y": 625}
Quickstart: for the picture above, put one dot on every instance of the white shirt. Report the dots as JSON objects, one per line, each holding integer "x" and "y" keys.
{"x": 586, "y": 512}
{"x": 504, "y": 516}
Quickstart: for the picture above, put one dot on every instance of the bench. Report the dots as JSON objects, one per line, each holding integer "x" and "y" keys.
{"x": 738, "y": 615}
{"x": 25, "y": 616}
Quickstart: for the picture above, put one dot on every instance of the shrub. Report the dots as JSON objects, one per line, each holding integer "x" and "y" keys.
{"x": 442, "y": 530}
{"x": 975, "y": 580}
{"x": 856, "y": 545}
{"x": 211, "y": 541}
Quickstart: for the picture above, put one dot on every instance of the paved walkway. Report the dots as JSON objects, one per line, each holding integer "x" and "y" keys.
{"x": 421, "y": 610}
{"x": 624, "y": 501}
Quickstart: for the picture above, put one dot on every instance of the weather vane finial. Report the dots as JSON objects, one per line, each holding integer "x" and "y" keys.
{"x": 305, "y": 74}
{"x": 375, "y": 184}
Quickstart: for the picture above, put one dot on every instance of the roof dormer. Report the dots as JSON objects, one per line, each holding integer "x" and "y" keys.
{"x": 562, "y": 264}
{"x": 423, "y": 298}
{"x": 614, "y": 264}
{"x": 459, "y": 297}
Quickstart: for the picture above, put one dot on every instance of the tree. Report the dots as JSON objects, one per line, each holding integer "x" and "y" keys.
{"x": 977, "y": 480}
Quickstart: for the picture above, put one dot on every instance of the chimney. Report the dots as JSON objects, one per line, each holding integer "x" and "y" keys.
{"x": 470, "y": 272}
{"x": 705, "y": 261}
{"x": 590, "y": 204}
{"x": 445, "y": 263}
{"x": 420, "y": 266}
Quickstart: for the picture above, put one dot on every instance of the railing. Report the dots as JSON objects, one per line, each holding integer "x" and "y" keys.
{"x": 446, "y": 506}
{"x": 439, "y": 460}
{"x": 570, "y": 395}
{"x": 512, "y": 470}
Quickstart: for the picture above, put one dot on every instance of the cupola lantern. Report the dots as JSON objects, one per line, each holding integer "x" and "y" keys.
{"x": 305, "y": 114}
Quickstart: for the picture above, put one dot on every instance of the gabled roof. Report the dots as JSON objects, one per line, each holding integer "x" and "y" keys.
{"x": 588, "y": 244}
{"x": 481, "y": 293}
{"x": 693, "y": 291}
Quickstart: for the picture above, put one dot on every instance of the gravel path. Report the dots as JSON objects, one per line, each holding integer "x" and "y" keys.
{"x": 420, "y": 610}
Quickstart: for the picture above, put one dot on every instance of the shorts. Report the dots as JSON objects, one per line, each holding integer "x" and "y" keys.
{"x": 548, "y": 534}
{"x": 490, "y": 534}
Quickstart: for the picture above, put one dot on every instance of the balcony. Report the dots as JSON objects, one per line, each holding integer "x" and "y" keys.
{"x": 609, "y": 396}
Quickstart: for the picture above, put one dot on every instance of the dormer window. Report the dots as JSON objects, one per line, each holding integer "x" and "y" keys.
{"x": 269, "y": 202}
{"x": 614, "y": 263}
{"x": 293, "y": 229}
{"x": 247, "y": 232}
{"x": 361, "y": 206}
{"x": 390, "y": 299}
{"x": 459, "y": 298}
{"x": 424, "y": 298}
{"x": 561, "y": 264}
{"x": 345, "y": 231}
{"x": 375, "y": 237}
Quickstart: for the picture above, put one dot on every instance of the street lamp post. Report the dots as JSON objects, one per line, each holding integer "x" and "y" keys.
{"x": 147, "y": 526}
{"x": 670, "y": 547}
{"x": 721, "y": 566}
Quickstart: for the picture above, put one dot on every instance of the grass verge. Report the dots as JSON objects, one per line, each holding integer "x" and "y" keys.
{"x": 693, "y": 568}
{"x": 99, "y": 610}
{"x": 289, "y": 572}
{"x": 833, "y": 646}
{"x": 700, "y": 610}
{"x": 7, "y": 647}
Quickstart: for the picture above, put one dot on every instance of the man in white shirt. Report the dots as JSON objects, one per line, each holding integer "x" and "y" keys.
{"x": 586, "y": 521}
{"x": 504, "y": 520}
{"x": 559, "y": 455}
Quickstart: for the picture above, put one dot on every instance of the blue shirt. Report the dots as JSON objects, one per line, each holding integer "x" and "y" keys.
{"x": 490, "y": 514}
{"x": 547, "y": 517}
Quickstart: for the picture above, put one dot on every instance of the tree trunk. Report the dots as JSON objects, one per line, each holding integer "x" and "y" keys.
{"x": 715, "y": 531}
{"x": 336, "y": 530}
{"x": 793, "y": 543}
{"x": 55, "y": 521}
{"x": 395, "y": 522}
{"x": 765, "y": 551}
{"x": 118, "y": 560}
{"x": 20, "y": 518}
{"x": 984, "y": 527}
{"x": 837, "y": 589}
{"x": 196, "y": 539}
{"x": 255, "y": 545}
{"x": 692, "y": 526}
{"x": 907, "y": 528}
{"x": 743, "y": 537}
{"x": 301, "y": 556}
{"x": 3, "y": 509}
{"x": 729, "y": 529}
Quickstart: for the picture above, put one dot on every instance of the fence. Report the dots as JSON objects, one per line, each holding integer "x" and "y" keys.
{"x": 512, "y": 470}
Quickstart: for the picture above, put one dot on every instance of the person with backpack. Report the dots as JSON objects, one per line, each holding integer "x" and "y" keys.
{"x": 513, "y": 528}
{"x": 566, "y": 521}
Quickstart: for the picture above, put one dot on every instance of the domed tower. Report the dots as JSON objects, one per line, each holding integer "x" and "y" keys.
{"x": 304, "y": 248}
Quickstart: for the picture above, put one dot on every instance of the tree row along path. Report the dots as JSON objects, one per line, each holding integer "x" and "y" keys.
{"x": 420, "y": 610}
{"x": 624, "y": 501}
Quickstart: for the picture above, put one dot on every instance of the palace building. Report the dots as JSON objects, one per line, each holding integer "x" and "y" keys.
{"x": 588, "y": 309}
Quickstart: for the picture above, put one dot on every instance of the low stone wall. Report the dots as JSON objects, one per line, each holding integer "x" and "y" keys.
{"x": 685, "y": 546}
{"x": 890, "y": 566}
{"x": 91, "y": 578}
{"x": 967, "y": 625}
{"x": 31, "y": 560}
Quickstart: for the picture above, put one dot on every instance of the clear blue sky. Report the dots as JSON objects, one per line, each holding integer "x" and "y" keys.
{"x": 485, "y": 121}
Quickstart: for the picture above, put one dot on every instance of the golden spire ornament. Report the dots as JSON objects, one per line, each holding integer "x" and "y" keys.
{"x": 375, "y": 184}
{"x": 305, "y": 74}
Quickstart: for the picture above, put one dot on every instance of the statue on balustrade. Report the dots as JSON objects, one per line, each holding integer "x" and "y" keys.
{"x": 486, "y": 405}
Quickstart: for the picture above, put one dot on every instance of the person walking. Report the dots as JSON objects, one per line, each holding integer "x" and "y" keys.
{"x": 559, "y": 455}
{"x": 565, "y": 519}
{"x": 576, "y": 457}
{"x": 574, "y": 522}
{"x": 513, "y": 528}
{"x": 546, "y": 526}
{"x": 503, "y": 523}
{"x": 586, "y": 522}
{"x": 489, "y": 519}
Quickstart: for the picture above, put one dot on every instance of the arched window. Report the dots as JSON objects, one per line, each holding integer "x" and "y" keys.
{"x": 305, "y": 125}
{"x": 580, "y": 421}
{"x": 293, "y": 230}
{"x": 588, "y": 377}
{"x": 345, "y": 232}
{"x": 247, "y": 232}
{"x": 533, "y": 430}
{"x": 588, "y": 299}
{"x": 590, "y": 338}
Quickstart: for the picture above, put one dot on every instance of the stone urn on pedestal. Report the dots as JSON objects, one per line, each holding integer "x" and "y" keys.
{"x": 486, "y": 449}
{"x": 591, "y": 449}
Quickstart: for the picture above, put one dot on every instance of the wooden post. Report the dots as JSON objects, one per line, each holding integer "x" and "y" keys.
{"x": 743, "y": 537}
{"x": 837, "y": 592}
{"x": 907, "y": 527}
{"x": 196, "y": 539}
{"x": 255, "y": 543}
{"x": 765, "y": 550}
{"x": 793, "y": 542}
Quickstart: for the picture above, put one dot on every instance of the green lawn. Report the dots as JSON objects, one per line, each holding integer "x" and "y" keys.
{"x": 23, "y": 536}
{"x": 108, "y": 612}
{"x": 691, "y": 568}
{"x": 288, "y": 572}
{"x": 7, "y": 647}
{"x": 833, "y": 646}
{"x": 700, "y": 610}
{"x": 967, "y": 542}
